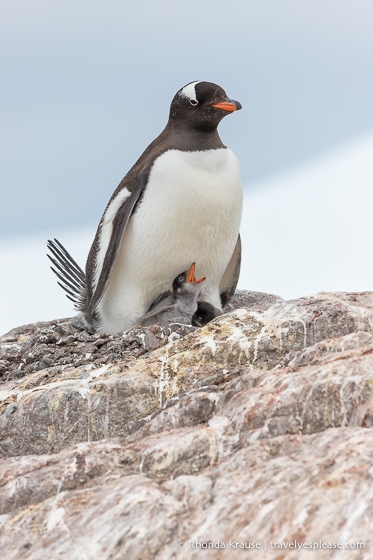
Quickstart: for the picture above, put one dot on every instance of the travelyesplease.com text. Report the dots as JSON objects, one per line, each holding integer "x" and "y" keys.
{"x": 266, "y": 545}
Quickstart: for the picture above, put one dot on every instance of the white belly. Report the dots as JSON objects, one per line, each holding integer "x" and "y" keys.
{"x": 191, "y": 211}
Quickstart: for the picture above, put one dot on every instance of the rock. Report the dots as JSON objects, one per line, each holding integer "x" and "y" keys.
{"x": 256, "y": 431}
{"x": 256, "y": 301}
{"x": 151, "y": 342}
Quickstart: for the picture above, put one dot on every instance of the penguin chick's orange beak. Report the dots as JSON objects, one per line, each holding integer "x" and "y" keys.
{"x": 190, "y": 276}
{"x": 227, "y": 105}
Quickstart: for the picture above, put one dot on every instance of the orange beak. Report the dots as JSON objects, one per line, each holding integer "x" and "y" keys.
{"x": 227, "y": 105}
{"x": 191, "y": 277}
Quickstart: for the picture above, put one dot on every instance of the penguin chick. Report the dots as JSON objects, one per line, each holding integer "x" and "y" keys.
{"x": 205, "y": 313}
{"x": 180, "y": 305}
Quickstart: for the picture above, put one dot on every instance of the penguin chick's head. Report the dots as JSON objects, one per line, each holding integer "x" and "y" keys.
{"x": 205, "y": 313}
{"x": 186, "y": 283}
{"x": 201, "y": 105}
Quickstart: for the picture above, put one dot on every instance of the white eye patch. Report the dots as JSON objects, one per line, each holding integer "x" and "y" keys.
{"x": 189, "y": 92}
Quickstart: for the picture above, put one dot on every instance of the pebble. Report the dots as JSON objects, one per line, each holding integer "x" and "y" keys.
{"x": 66, "y": 342}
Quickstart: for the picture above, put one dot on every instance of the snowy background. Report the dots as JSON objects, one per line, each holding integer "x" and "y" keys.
{"x": 87, "y": 85}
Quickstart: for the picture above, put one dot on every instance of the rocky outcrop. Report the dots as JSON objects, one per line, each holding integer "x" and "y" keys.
{"x": 254, "y": 431}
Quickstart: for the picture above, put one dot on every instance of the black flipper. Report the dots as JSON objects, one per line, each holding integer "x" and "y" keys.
{"x": 69, "y": 272}
{"x": 229, "y": 282}
{"x": 119, "y": 225}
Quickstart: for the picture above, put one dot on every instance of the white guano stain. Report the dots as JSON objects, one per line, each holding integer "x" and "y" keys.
{"x": 176, "y": 363}
{"x": 173, "y": 336}
{"x": 55, "y": 518}
{"x": 209, "y": 341}
{"x": 238, "y": 335}
{"x": 273, "y": 319}
{"x": 164, "y": 377}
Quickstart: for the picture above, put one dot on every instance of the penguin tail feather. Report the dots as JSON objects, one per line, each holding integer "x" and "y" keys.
{"x": 73, "y": 279}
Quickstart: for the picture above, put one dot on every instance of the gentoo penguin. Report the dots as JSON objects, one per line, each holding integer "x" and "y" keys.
{"x": 181, "y": 202}
{"x": 180, "y": 305}
{"x": 204, "y": 314}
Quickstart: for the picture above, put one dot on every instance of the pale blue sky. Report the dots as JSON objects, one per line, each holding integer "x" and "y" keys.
{"x": 86, "y": 85}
